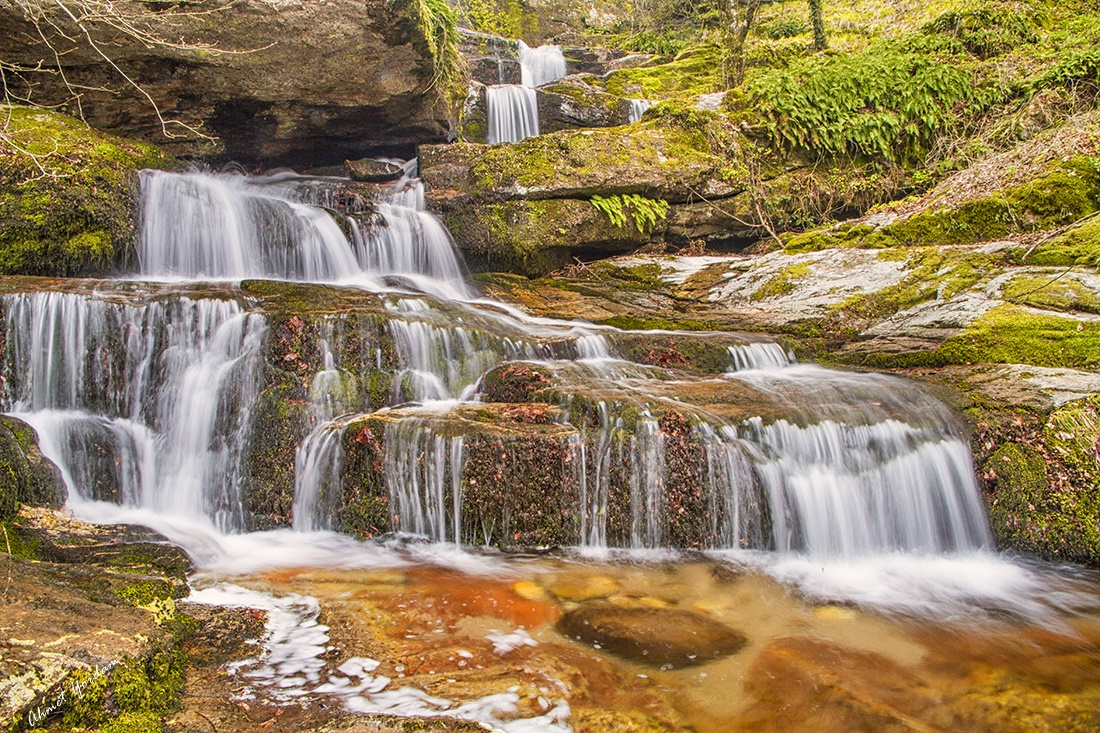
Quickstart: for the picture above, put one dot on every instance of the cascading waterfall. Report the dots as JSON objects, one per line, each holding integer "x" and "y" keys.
{"x": 159, "y": 397}
{"x": 215, "y": 226}
{"x": 423, "y": 474}
{"x": 540, "y": 65}
{"x": 513, "y": 110}
{"x": 318, "y": 466}
{"x": 513, "y": 113}
{"x": 638, "y": 108}
{"x": 759, "y": 356}
{"x": 149, "y": 402}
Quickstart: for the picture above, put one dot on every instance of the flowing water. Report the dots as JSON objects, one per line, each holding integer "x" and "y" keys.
{"x": 512, "y": 109}
{"x": 838, "y": 511}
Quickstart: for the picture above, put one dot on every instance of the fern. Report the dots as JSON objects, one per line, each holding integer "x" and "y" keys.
{"x": 885, "y": 102}
{"x": 437, "y": 24}
{"x": 1082, "y": 67}
{"x": 646, "y": 213}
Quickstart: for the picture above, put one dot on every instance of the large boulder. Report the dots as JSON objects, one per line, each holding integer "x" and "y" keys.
{"x": 261, "y": 83}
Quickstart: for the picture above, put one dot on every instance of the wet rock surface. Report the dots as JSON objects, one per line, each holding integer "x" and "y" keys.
{"x": 662, "y": 638}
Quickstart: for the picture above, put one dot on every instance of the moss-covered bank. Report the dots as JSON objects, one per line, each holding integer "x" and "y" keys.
{"x": 68, "y": 194}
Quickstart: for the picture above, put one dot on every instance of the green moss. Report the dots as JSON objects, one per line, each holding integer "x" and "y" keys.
{"x": 134, "y": 723}
{"x": 782, "y": 282}
{"x": 146, "y": 592}
{"x": 647, "y": 323}
{"x": 1052, "y": 291}
{"x": 933, "y": 272}
{"x": 1080, "y": 246}
{"x": 694, "y": 71}
{"x": 1073, "y": 433}
{"x": 77, "y": 216}
{"x": 1011, "y": 335}
{"x": 503, "y": 18}
{"x": 668, "y": 148}
{"x": 642, "y": 277}
{"x": 13, "y": 542}
{"x": 1028, "y": 513}
{"x": 1064, "y": 194}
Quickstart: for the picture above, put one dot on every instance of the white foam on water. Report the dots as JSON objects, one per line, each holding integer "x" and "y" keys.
{"x": 290, "y": 667}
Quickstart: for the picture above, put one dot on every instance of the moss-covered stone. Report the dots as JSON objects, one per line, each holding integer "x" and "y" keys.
{"x": 26, "y": 476}
{"x": 1052, "y": 290}
{"x": 1031, "y": 513}
{"x": 661, "y": 157}
{"x": 782, "y": 282}
{"x": 68, "y": 194}
{"x": 1065, "y": 193}
{"x": 534, "y": 238}
{"x": 694, "y": 71}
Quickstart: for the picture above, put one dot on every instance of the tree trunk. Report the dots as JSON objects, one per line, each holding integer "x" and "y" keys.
{"x": 820, "y": 41}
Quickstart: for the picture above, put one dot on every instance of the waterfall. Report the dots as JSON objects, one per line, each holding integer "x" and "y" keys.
{"x": 423, "y": 475}
{"x": 513, "y": 113}
{"x": 158, "y": 397}
{"x": 540, "y": 65}
{"x": 512, "y": 109}
{"x": 638, "y": 108}
{"x": 759, "y": 356}
{"x": 318, "y": 467}
{"x": 214, "y": 226}
{"x": 205, "y": 225}
{"x": 146, "y": 397}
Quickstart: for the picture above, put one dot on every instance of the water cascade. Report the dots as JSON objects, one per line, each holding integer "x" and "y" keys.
{"x": 513, "y": 113}
{"x": 638, "y": 108}
{"x": 146, "y": 405}
{"x": 513, "y": 109}
{"x": 806, "y": 461}
{"x": 541, "y": 65}
{"x": 229, "y": 226}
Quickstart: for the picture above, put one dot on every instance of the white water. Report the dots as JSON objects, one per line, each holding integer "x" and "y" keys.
{"x": 513, "y": 113}
{"x": 638, "y": 108}
{"x": 512, "y": 109}
{"x": 540, "y": 65}
{"x": 759, "y": 356}
{"x": 209, "y": 226}
{"x": 157, "y": 397}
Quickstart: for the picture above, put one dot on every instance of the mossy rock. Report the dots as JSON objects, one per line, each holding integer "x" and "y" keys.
{"x": 662, "y": 157}
{"x": 68, "y": 195}
{"x": 1030, "y": 514}
{"x": 1062, "y": 195}
{"x": 534, "y": 238}
{"x": 26, "y": 476}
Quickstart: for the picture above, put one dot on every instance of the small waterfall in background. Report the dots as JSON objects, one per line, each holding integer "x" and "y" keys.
{"x": 638, "y": 108}
{"x": 513, "y": 113}
{"x": 540, "y": 65}
{"x": 512, "y": 109}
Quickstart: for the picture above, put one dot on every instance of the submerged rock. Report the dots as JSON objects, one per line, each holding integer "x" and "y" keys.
{"x": 667, "y": 638}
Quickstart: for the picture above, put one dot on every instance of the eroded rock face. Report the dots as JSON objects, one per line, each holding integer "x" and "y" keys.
{"x": 659, "y": 637}
{"x": 318, "y": 84}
